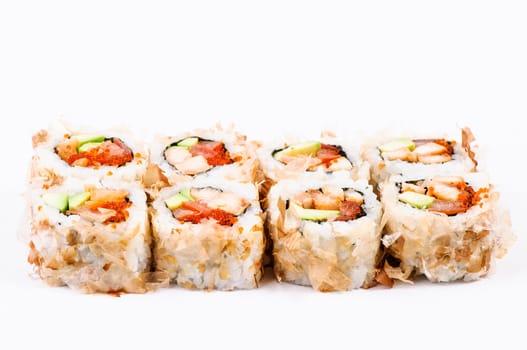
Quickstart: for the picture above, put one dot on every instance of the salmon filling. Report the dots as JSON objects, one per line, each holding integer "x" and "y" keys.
{"x": 330, "y": 203}
{"x": 104, "y": 206}
{"x": 197, "y": 158}
{"x": 211, "y": 203}
{"x": 427, "y": 151}
{"x": 112, "y": 152}
{"x": 451, "y": 195}
{"x": 328, "y": 157}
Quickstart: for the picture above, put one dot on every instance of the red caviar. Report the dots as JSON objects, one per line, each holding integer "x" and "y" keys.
{"x": 214, "y": 152}
{"x": 197, "y": 211}
{"x": 120, "y": 209}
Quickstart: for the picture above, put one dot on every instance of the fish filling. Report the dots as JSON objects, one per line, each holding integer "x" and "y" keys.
{"x": 199, "y": 204}
{"x": 449, "y": 195}
{"x": 329, "y": 203}
{"x": 193, "y": 155}
{"x": 98, "y": 151}
{"x": 313, "y": 155}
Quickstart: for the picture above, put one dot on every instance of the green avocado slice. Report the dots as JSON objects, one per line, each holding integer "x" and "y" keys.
{"x": 188, "y": 142}
{"x": 394, "y": 145}
{"x": 58, "y": 200}
{"x": 416, "y": 200}
{"x": 313, "y": 214}
{"x": 177, "y": 200}
{"x": 78, "y": 199}
{"x": 85, "y": 138}
{"x": 88, "y": 146}
{"x": 305, "y": 148}
{"x": 185, "y": 192}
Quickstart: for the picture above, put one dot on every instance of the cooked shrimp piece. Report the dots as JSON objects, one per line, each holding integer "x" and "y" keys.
{"x": 400, "y": 154}
{"x": 101, "y": 195}
{"x": 176, "y": 155}
{"x": 412, "y": 188}
{"x": 333, "y": 192}
{"x": 229, "y": 202}
{"x": 204, "y": 194}
{"x": 94, "y": 215}
{"x": 444, "y": 192}
{"x": 430, "y": 148}
{"x": 450, "y": 180}
{"x": 304, "y": 199}
{"x": 340, "y": 163}
{"x": 433, "y": 159}
{"x": 323, "y": 201}
{"x": 217, "y": 199}
{"x": 193, "y": 165}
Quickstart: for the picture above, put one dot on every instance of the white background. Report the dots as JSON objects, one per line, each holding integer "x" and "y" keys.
{"x": 271, "y": 67}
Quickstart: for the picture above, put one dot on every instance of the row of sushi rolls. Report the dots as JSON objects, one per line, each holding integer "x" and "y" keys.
{"x": 209, "y": 209}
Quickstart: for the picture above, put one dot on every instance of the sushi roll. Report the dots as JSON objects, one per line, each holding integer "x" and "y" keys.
{"x": 61, "y": 153}
{"x": 326, "y": 233}
{"x": 420, "y": 156}
{"x": 444, "y": 227}
{"x": 320, "y": 158}
{"x": 91, "y": 237}
{"x": 215, "y": 153}
{"x": 208, "y": 234}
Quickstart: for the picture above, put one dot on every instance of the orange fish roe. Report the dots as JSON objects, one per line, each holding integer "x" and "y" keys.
{"x": 214, "y": 152}
{"x": 120, "y": 208}
{"x": 197, "y": 211}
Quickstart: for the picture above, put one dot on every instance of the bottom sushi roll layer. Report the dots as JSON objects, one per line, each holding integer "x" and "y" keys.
{"x": 446, "y": 241}
{"x": 218, "y": 250}
{"x": 333, "y": 253}
{"x": 88, "y": 248}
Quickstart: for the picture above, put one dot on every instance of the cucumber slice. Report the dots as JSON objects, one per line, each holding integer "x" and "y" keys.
{"x": 309, "y": 148}
{"x": 177, "y": 200}
{"x": 88, "y": 146}
{"x": 416, "y": 200}
{"x": 186, "y": 193}
{"x": 77, "y": 200}
{"x": 58, "y": 200}
{"x": 85, "y": 138}
{"x": 394, "y": 145}
{"x": 313, "y": 214}
{"x": 188, "y": 142}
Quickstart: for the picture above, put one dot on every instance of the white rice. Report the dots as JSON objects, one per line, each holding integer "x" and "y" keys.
{"x": 445, "y": 248}
{"x": 329, "y": 256}
{"x": 107, "y": 257}
{"x": 208, "y": 255}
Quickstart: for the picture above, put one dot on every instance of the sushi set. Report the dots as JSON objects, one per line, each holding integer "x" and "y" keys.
{"x": 209, "y": 209}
